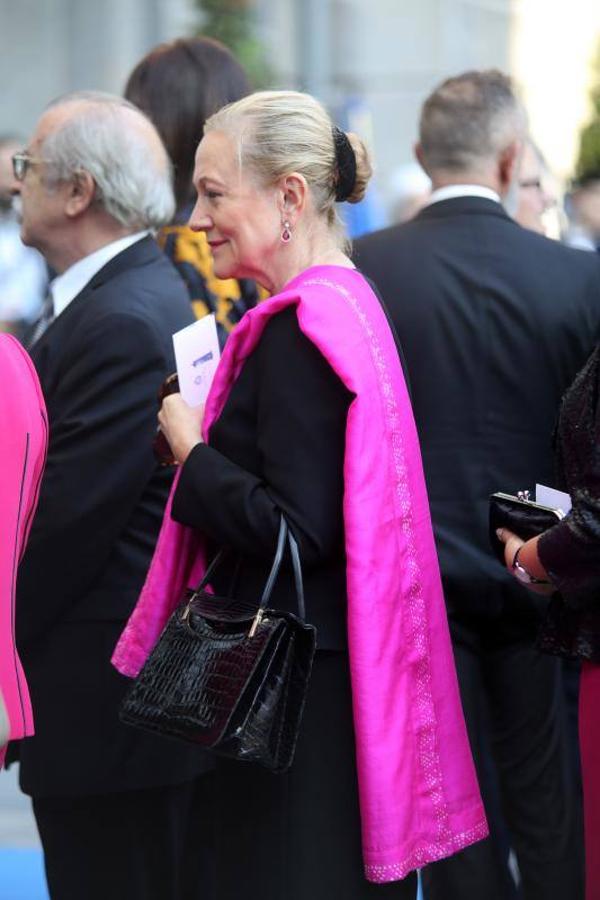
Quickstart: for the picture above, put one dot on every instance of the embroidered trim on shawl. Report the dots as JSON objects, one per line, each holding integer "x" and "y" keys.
{"x": 428, "y": 755}
{"x": 431, "y": 853}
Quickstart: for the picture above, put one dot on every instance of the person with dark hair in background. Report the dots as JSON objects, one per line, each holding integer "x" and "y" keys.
{"x": 582, "y": 205}
{"x": 179, "y": 85}
{"x": 495, "y": 321}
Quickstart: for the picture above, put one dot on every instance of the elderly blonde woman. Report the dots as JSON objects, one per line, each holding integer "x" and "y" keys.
{"x": 309, "y": 416}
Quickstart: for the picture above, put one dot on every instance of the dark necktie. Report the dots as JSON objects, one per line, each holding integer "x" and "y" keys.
{"x": 43, "y": 321}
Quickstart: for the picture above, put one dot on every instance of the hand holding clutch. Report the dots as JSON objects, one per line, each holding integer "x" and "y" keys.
{"x": 520, "y": 515}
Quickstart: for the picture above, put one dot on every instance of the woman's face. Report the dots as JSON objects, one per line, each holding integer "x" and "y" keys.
{"x": 241, "y": 219}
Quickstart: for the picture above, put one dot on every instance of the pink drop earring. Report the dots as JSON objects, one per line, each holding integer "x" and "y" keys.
{"x": 286, "y": 234}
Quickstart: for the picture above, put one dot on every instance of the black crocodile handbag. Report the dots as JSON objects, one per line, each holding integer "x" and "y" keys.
{"x": 229, "y": 678}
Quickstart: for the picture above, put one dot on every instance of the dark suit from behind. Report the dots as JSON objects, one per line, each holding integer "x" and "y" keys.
{"x": 494, "y": 321}
{"x": 100, "y": 363}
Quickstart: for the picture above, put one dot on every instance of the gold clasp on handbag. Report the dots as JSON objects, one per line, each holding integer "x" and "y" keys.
{"x": 257, "y": 620}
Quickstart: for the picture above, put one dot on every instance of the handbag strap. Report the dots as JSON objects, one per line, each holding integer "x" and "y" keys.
{"x": 285, "y": 535}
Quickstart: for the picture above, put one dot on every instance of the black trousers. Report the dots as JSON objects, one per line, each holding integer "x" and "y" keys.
{"x": 297, "y": 836}
{"x": 513, "y": 700}
{"x": 153, "y": 844}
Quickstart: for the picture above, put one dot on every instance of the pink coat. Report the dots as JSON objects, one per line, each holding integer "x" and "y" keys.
{"x": 419, "y": 798}
{"x": 23, "y": 444}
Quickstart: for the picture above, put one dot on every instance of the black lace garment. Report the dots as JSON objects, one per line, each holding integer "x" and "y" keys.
{"x": 570, "y": 552}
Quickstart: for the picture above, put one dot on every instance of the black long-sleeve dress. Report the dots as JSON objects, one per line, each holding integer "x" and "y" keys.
{"x": 278, "y": 445}
{"x": 570, "y": 551}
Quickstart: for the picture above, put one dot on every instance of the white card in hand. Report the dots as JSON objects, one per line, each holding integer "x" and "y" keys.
{"x": 548, "y": 496}
{"x": 197, "y": 355}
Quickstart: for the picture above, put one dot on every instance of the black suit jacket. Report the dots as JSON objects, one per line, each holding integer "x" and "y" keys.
{"x": 494, "y": 321}
{"x": 100, "y": 363}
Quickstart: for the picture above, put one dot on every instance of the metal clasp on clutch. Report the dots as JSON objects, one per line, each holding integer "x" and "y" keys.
{"x": 524, "y": 495}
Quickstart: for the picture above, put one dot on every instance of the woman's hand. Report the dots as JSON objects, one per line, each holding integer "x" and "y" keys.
{"x": 528, "y": 559}
{"x": 181, "y": 425}
{"x": 511, "y": 542}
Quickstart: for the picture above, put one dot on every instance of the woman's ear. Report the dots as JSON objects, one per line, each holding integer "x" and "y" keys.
{"x": 293, "y": 194}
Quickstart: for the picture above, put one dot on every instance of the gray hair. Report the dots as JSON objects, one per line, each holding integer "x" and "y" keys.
{"x": 133, "y": 178}
{"x": 469, "y": 120}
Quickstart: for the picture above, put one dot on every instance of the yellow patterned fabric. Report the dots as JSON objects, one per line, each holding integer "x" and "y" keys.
{"x": 227, "y": 298}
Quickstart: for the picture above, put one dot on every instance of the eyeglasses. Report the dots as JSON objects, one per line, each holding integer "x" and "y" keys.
{"x": 531, "y": 183}
{"x": 21, "y": 162}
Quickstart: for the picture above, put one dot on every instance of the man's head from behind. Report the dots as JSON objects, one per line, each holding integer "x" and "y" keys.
{"x": 95, "y": 170}
{"x": 471, "y": 131}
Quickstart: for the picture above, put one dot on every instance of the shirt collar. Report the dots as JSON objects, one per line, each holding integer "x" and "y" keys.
{"x": 451, "y": 191}
{"x": 65, "y": 287}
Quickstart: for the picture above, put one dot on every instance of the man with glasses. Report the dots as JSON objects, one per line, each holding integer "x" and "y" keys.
{"x": 112, "y": 804}
{"x": 533, "y": 197}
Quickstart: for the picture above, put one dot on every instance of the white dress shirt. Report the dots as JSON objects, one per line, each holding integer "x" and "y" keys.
{"x": 463, "y": 190}
{"x": 65, "y": 287}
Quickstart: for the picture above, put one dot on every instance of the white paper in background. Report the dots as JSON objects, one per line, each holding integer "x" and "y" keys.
{"x": 197, "y": 356}
{"x": 548, "y": 496}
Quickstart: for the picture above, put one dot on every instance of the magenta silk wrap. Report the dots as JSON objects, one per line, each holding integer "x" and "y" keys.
{"x": 23, "y": 444}
{"x": 419, "y": 798}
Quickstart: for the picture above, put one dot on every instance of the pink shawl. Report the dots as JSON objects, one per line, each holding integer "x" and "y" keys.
{"x": 419, "y": 798}
{"x": 23, "y": 443}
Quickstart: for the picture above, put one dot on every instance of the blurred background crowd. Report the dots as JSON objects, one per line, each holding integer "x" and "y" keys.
{"x": 371, "y": 63}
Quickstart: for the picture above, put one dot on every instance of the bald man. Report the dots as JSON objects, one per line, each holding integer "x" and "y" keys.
{"x": 112, "y": 804}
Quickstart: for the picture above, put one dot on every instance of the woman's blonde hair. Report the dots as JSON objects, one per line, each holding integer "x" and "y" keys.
{"x": 279, "y": 132}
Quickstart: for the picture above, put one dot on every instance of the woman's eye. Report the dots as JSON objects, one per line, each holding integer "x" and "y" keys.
{"x": 211, "y": 195}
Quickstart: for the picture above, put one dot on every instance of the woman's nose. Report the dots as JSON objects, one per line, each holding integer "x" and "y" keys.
{"x": 199, "y": 219}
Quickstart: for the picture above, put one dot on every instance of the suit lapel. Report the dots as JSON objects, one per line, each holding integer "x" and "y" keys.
{"x": 46, "y": 352}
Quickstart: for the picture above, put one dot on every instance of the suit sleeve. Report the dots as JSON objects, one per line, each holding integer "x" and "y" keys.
{"x": 99, "y": 462}
{"x": 300, "y": 426}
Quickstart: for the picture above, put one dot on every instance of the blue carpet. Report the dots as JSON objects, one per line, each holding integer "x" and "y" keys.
{"x": 22, "y": 875}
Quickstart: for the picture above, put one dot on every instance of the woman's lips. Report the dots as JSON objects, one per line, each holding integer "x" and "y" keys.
{"x": 214, "y": 245}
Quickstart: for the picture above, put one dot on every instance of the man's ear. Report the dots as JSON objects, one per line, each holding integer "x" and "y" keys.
{"x": 419, "y": 156}
{"x": 508, "y": 164}
{"x": 81, "y": 193}
{"x": 293, "y": 194}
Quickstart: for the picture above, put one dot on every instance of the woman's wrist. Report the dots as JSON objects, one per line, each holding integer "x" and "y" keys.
{"x": 528, "y": 559}
{"x": 183, "y": 449}
{"x": 522, "y": 573}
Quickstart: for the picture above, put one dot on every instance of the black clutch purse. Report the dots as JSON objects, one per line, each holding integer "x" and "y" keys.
{"x": 520, "y": 515}
{"x": 229, "y": 678}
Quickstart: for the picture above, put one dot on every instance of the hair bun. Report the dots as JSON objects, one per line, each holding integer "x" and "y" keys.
{"x": 353, "y": 167}
{"x": 345, "y": 165}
